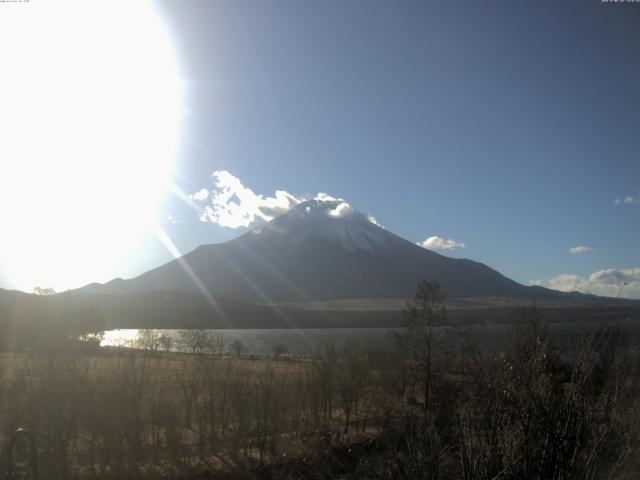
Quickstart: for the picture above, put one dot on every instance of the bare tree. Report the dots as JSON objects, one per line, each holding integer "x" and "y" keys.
{"x": 148, "y": 340}
{"x": 44, "y": 291}
{"x": 195, "y": 340}
{"x": 238, "y": 347}
{"x": 216, "y": 344}
{"x": 167, "y": 342}
{"x": 423, "y": 313}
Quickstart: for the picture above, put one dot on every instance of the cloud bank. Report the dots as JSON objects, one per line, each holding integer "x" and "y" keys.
{"x": 439, "y": 243}
{"x": 580, "y": 250}
{"x": 233, "y": 205}
{"x": 610, "y": 282}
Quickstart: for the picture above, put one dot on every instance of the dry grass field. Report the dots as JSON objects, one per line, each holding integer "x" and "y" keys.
{"x": 411, "y": 409}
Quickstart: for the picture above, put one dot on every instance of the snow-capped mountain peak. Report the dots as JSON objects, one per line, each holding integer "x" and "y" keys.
{"x": 327, "y": 218}
{"x": 320, "y": 249}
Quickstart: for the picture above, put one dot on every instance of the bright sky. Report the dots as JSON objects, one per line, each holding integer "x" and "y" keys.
{"x": 506, "y": 130}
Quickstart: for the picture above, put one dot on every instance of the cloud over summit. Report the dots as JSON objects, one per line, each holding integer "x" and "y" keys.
{"x": 233, "y": 205}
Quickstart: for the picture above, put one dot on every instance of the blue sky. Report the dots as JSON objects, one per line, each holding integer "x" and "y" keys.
{"x": 509, "y": 126}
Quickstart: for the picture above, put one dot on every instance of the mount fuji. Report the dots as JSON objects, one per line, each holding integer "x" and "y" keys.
{"x": 320, "y": 250}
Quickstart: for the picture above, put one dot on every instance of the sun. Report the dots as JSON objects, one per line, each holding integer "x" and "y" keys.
{"x": 90, "y": 110}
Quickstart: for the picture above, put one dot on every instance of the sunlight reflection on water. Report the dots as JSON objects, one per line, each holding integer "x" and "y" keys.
{"x": 119, "y": 338}
{"x": 262, "y": 341}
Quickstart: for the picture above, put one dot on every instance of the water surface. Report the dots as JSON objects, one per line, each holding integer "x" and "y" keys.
{"x": 310, "y": 341}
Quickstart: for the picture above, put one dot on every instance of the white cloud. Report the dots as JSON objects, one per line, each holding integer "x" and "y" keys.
{"x": 610, "y": 282}
{"x": 230, "y": 204}
{"x": 233, "y": 205}
{"x": 580, "y": 250}
{"x": 203, "y": 194}
{"x": 439, "y": 243}
{"x": 340, "y": 210}
{"x": 628, "y": 200}
{"x": 172, "y": 219}
{"x": 324, "y": 197}
{"x": 375, "y": 221}
{"x": 343, "y": 208}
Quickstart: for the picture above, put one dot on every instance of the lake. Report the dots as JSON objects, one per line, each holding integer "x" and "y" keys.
{"x": 310, "y": 341}
{"x": 262, "y": 341}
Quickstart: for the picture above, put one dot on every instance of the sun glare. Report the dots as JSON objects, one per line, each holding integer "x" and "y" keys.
{"x": 90, "y": 107}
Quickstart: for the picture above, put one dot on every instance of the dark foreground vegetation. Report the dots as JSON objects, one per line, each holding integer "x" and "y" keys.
{"x": 430, "y": 405}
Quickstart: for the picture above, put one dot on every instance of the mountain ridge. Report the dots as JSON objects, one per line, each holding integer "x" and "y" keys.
{"x": 322, "y": 249}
